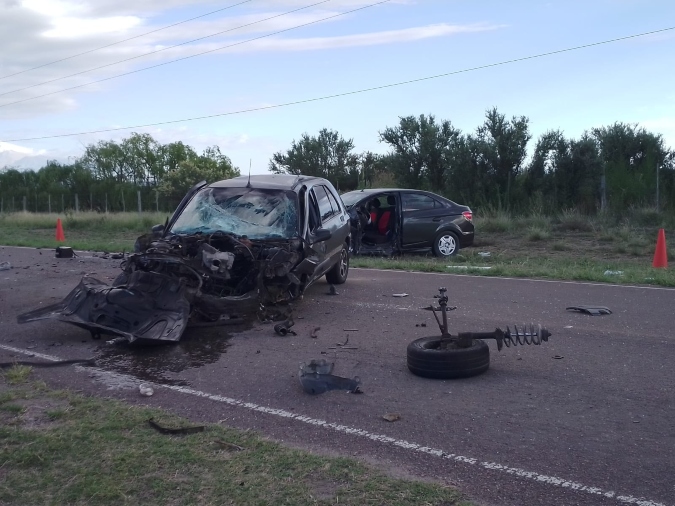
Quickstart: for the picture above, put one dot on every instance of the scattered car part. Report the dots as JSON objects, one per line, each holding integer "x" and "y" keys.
{"x": 314, "y": 333}
{"x": 591, "y": 310}
{"x": 64, "y": 252}
{"x": 150, "y": 306}
{"x": 316, "y": 378}
{"x": 5, "y": 266}
{"x": 391, "y": 417}
{"x": 284, "y": 328}
{"x": 465, "y": 354}
{"x": 399, "y": 294}
{"x": 231, "y": 248}
{"x": 177, "y": 431}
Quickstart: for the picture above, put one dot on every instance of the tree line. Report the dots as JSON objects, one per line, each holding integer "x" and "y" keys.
{"x": 109, "y": 175}
{"x": 611, "y": 167}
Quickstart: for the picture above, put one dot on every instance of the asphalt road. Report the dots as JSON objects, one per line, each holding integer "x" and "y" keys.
{"x": 587, "y": 418}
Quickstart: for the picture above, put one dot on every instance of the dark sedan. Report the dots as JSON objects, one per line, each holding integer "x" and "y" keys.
{"x": 388, "y": 221}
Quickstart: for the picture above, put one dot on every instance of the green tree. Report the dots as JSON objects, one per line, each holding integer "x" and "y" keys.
{"x": 211, "y": 166}
{"x": 500, "y": 148}
{"x": 423, "y": 151}
{"x": 327, "y": 155}
{"x": 631, "y": 155}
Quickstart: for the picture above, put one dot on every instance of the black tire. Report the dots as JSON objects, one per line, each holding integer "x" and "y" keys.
{"x": 446, "y": 244}
{"x": 425, "y": 358}
{"x": 337, "y": 274}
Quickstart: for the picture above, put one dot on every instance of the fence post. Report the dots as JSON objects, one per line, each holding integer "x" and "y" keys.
{"x": 24, "y": 203}
{"x": 124, "y": 206}
{"x": 63, "y": 206}
{"x": 106, "y": 203}
{"x": 13, "y": 208}
{"x": 49, "y": 203}
{"x": 77, "y": 203}
{"x": 157, "y": 200}
{"x": 657, "y": 187}
{"x": 140, "y": 209}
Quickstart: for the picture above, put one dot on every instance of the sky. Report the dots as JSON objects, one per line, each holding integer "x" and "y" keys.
{"x": 72, "y": 67}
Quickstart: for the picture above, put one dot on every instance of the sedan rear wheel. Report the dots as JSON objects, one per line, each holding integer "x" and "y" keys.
{"x": 446, "y": 244}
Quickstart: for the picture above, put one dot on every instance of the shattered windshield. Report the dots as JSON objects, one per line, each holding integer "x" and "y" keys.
{"x": 253, "y": 212}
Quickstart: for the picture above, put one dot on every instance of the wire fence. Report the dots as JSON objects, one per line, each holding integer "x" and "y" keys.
{"x": 140, "y": 200}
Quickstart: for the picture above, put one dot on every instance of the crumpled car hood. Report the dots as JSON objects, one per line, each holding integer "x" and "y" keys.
{"x": 150, "y": 306}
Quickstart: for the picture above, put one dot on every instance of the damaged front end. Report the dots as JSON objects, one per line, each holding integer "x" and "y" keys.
{"x": 195, "y": 272}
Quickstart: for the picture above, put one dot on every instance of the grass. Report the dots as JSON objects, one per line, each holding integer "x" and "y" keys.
{"x": 17, "y": 374}
{"x": 569, "y": 246}
{"x": 91, "y": 451}
{"x": 85, "y": 230}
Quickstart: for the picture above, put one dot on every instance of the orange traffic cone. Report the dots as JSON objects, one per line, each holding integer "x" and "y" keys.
{"x": 661, "y": 255}
{"x": 59, "y": 231}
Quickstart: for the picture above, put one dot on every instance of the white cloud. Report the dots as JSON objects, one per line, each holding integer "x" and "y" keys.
{"x": 361, "y": 40}
{"x": 72, "y": 28}
{"x": 19, "y": 150}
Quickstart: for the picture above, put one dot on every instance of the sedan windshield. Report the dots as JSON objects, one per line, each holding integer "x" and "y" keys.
{"x": 253, "y": 212}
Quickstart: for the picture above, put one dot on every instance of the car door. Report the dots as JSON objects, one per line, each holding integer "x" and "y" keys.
{"x": 422, "y": 215}
{"x": 322, "y": 217}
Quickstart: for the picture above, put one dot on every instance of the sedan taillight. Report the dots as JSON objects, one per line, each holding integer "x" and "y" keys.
{"x": 468, "y": 215}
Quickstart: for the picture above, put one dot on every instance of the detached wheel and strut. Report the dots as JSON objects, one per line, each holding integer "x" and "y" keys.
{"x": 465, "y": 354}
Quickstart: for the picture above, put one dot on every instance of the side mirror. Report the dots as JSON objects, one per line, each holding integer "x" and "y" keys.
{"x": 157, "y": 229}
{"x": 321, "y": 235}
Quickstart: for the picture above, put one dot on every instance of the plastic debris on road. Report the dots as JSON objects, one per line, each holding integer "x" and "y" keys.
{"x": 316, "y": 378}
{"x": 5, "y": 266}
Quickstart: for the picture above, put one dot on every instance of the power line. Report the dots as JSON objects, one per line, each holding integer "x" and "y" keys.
{"x": 353, "y": 92}
{"x": 148, "y": 54}
{"x": 121, "y": 41}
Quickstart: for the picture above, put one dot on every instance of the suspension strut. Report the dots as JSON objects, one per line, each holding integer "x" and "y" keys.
{"x": 525, "y": 335}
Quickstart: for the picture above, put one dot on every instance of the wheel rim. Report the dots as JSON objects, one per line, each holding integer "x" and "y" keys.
{"x": 344, "y": 263}
{"x": 447, "y": 245}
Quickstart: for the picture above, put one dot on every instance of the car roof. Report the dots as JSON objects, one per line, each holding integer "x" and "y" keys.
{"x": 371, "y": 191}
{"x": 267, "y": 181}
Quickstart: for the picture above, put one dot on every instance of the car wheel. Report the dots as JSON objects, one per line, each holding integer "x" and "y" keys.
{"x": 426, "y": 358}
{"x": 338, "y": 273}
{"x": 446, "y": 244}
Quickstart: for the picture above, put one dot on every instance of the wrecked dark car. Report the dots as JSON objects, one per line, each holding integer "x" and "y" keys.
{"x": 391, "y": 221}
{"x": 231, "y": 248}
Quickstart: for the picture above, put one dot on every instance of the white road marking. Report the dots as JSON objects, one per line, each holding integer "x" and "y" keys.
{"x": 123, "y": 380}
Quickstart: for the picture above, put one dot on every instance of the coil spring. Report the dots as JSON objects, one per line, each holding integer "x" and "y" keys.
{"x": 524, "y": 335}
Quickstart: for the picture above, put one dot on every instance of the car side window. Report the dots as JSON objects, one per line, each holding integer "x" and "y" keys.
{"x": 333, "y": 202}
{"x": 325, "y": 208}
{"x": 314, "y": 216}
{"x": 418, "y": 202}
